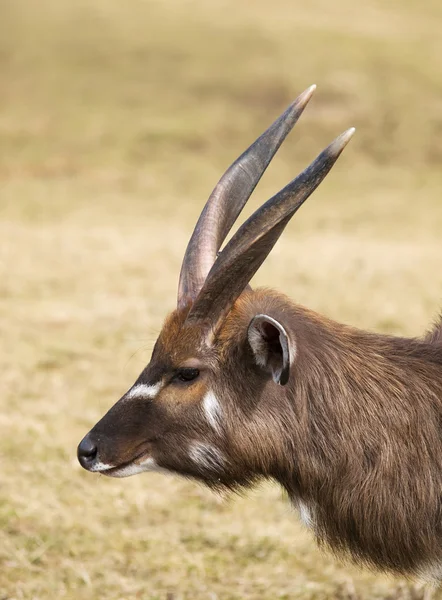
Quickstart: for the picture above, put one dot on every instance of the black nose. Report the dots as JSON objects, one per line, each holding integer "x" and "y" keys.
{"x": 87, "y": 452}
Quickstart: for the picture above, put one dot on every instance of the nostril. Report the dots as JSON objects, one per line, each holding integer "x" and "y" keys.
{"x": 87, "y": 450}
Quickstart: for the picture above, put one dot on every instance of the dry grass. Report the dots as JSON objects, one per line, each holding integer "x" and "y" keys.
{"x": 116, "y": 119}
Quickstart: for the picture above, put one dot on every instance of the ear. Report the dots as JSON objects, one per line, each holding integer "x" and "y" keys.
{"x": 270, "y": 345}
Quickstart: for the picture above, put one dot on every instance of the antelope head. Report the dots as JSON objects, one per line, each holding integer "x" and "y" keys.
{"x": 222, "y": 364}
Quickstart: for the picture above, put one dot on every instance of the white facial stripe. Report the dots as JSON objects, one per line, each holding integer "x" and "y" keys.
{"x": 143, "y": 391}
{"x": 207, "y": 457}
{"x": 213, "y": 411}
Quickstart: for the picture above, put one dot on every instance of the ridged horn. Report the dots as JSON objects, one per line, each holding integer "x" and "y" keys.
{"x": 253, "y": 241}
{"x": 228, "y": 199}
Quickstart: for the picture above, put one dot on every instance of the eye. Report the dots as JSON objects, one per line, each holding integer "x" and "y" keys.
{"x": 187, "y": 374}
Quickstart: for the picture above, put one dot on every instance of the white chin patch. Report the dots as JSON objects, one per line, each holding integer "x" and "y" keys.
{"x": 99, "y": 467}
{"x": 148, "y": 464}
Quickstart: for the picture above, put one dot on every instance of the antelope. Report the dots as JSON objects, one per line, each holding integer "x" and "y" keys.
{"x": 244, "y": 385}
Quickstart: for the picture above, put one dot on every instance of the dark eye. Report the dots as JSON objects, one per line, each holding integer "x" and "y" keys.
{"x": 187, "y": 374}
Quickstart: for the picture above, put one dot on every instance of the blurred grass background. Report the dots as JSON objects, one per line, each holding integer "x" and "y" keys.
{"x": 116, "y": 121}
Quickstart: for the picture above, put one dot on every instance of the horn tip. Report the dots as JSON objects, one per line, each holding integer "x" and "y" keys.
{"x": 298, "y": 105}
{"x": 338, "y": 145}
{"x": 346, "y": 136}
{"x": 303, "y": 98}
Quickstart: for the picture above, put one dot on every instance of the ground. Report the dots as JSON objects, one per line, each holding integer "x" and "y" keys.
{"x": 116, "y": 120}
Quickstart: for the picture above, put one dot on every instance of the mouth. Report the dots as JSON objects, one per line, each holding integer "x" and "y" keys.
{"x": 125, "y": 469}
{"x": 138, "y": 464}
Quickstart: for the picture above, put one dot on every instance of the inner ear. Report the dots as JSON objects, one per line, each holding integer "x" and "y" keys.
{"x": 270, "y": 345}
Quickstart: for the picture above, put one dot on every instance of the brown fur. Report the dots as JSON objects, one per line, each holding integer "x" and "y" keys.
{"x": 355, "y": 434}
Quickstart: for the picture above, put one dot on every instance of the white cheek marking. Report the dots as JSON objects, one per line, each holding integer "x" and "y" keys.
{"x": 207, "y": 457}
{"x": 213, "y": 411}
{"x": 143, "y": 391}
